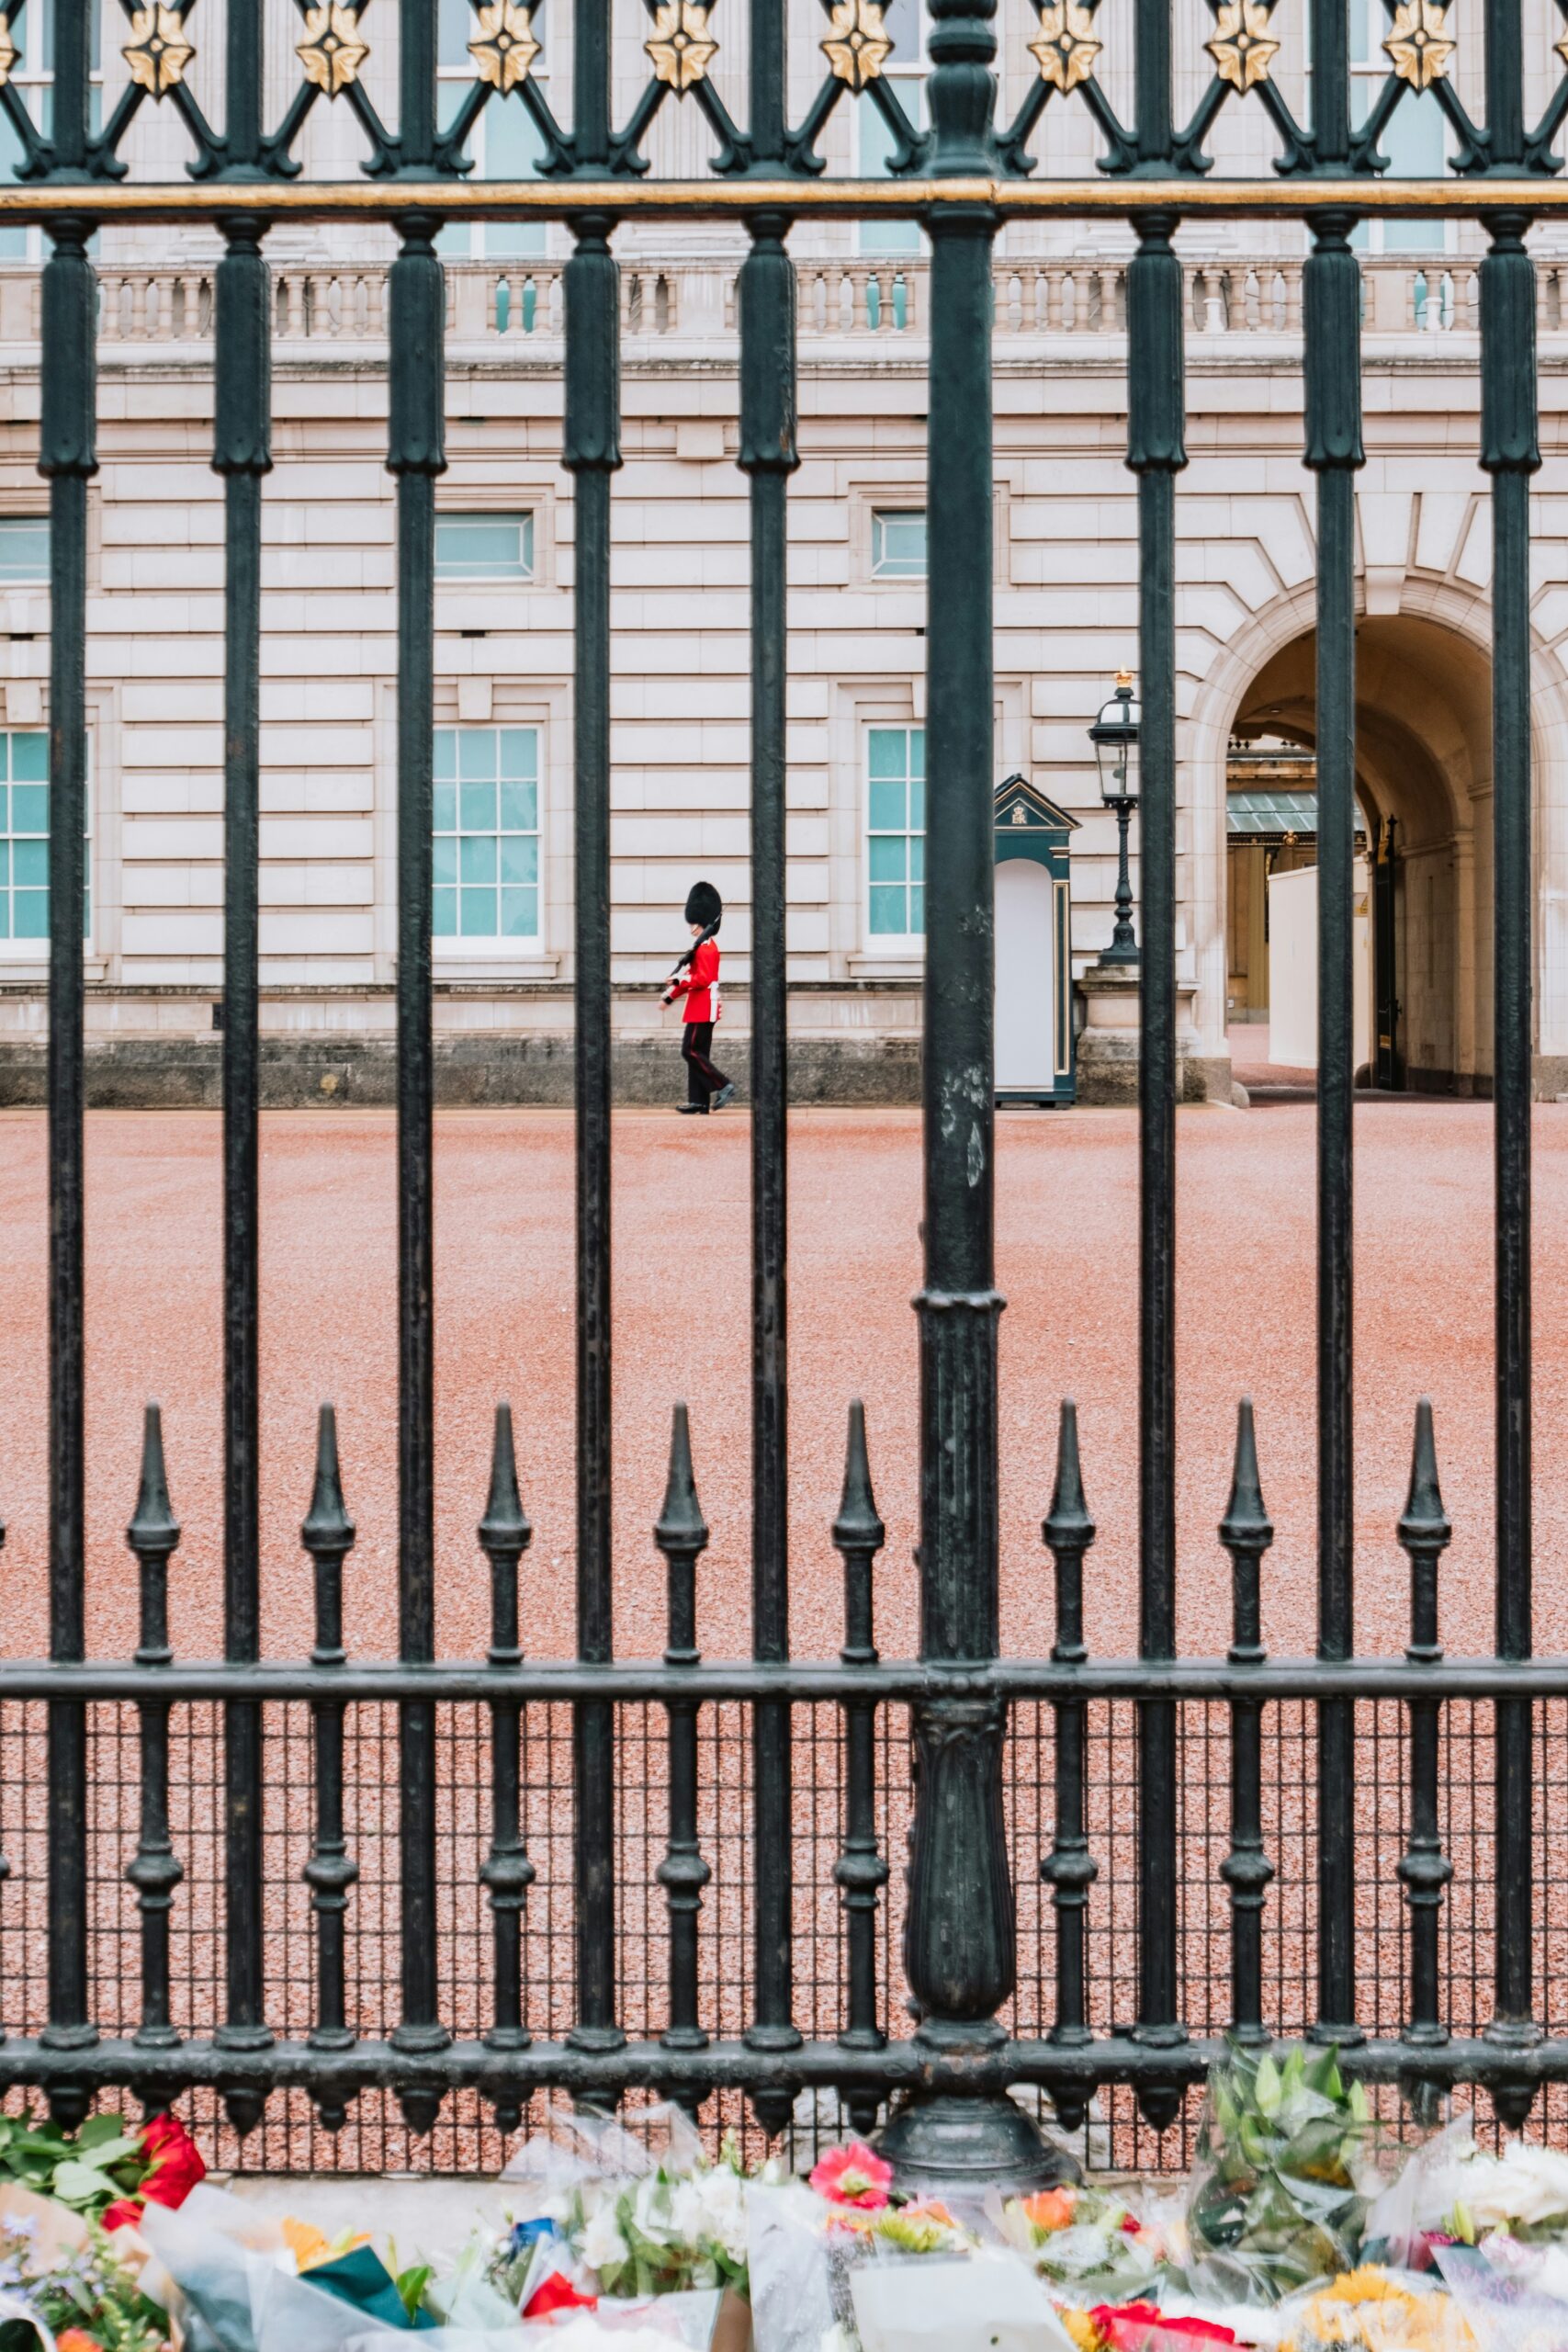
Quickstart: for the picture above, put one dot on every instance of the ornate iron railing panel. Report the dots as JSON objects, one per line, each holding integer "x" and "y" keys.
{"x": 961, "y": 178}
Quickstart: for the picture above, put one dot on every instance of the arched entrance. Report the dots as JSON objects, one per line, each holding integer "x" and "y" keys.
{"x": 1424, "y": 790}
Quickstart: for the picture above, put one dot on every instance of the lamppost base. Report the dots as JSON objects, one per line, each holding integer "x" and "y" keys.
{"x": 943, "y": 2139}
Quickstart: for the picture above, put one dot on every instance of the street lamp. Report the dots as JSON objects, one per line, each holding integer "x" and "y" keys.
{"x": 1115, "y": 738}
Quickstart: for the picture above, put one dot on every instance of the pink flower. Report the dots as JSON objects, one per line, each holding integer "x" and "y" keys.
{"x": 852, "y": 2176}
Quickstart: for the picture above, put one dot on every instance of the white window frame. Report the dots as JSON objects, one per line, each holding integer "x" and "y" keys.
{"x": 892, "y": 943}
{"x": 525, "y": 578}
{"x": 32, "y": 954}
{"x": 34, "y": 521}
{"x": 492, "y": 947}
{"x": 486, "y": 238}
{"x": 880, "y": 514}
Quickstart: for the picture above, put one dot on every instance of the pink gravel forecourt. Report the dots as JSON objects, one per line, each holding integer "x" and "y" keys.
{"x": 1066, "y": 1256}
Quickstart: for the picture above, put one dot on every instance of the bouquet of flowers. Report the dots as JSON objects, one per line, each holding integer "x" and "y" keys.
{"x": 1372, "y": 2311}
{"x": 108, "y": 2170}
{"x": 1087, "y": 2243}
{"x": 1287, "y": 2165}
{"x": 61, "y": 2274}
{"x": 676, "y": 2226}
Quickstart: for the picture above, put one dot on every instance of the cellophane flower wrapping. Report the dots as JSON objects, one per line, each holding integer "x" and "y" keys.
{"x": 1289, "y": 2160}
{"x": 639, "y": 2215}
{"x": 231, "y": 2278}
{"x": 1374, "y": 2309}
{"x": 1452, "y": 2190}
{"x": 1090, "y": 2245}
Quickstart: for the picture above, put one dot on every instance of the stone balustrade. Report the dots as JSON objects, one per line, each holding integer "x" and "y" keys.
{"x": 860, "y": 300}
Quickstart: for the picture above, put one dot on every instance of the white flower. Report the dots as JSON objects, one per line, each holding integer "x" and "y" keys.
{"x": 602, "y": 2246}
{"x": 838, "y": 2339}
{"x": 710, "y": 2207}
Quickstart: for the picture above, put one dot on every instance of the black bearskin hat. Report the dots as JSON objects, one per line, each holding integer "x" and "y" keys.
{"x": 703, "y": 905}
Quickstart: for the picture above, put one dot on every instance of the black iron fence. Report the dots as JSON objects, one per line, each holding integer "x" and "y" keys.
{"x": 564, "y": 1889}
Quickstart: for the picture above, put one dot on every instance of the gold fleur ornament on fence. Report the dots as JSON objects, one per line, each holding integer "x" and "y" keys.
{"x": 333, "y": 49}
{"x": 157, "y": 51}
{"x": 1243, "y": 48}
{"x": 1418, "y": 43}
{"x": 680, "y": 46}
{"x": 1066, "y": 48}
{"x": 505, "y": 48}
{"x": 858, "y": 44}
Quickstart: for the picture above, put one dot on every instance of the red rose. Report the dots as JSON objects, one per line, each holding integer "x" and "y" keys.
{"x": 174, "y": 2167}
{"x": 173, "y": 2160}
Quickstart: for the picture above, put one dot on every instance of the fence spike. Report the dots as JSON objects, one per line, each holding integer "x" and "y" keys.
{"x": 1067, "y": 1525}
{"x": 679, "y": 1526}
{"x": 154, "y": 1533}
{"x": 1247, "y": 1523}
{"x": 1246, "y": 1532}
{"x": 858, "y": 1528}
{"x": 327, "y": 1534}
{"x": 327, "y": 1526}
{"x": 504, "y": 1527}
{"x": 1424, "y": 1519}
{"x": 1423, "y": 1535}
{"x": 858, "y": 1537}
{"x": 153, "y": 1527}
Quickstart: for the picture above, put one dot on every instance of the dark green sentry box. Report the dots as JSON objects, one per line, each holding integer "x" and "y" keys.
{"x": 1034, "y": 1058}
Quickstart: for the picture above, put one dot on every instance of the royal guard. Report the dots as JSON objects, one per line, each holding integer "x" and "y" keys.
{"x": 696, "y": 978}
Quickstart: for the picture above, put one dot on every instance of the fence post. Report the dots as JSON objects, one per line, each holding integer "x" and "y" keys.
{"x": 1510, "y": 453}
{"x": 415, "y": 455}
{"x": 242, "y": 454}
{"x": 67, "y": 458}
{"x": 1332, "y": 308}
{"x": 1155, "y": 453}
{"x": 959, "y": 1939}
{"x": 591, "y": 454}
{"x": 768, "y": 456}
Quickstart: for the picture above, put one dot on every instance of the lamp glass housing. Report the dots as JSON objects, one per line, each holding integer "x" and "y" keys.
{"x": 1115, "y": 738}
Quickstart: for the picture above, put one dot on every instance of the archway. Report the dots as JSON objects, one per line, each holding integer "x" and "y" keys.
{"x": 1424, "y": 788}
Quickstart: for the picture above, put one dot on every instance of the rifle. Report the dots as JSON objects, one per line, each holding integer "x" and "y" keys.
{"x": 683, "y": 960}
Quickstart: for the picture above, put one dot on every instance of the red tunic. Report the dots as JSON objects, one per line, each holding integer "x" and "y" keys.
{"x": 699, "y": 984}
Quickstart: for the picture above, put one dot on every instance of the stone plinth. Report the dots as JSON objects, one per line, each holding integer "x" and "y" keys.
{"x": 1109, "y": 1041}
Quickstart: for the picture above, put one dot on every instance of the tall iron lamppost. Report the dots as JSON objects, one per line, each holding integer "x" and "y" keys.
{"x": 1115, "y": 738}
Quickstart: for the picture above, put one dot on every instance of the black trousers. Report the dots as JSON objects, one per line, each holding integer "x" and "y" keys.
{"x": 702, "y": 1077}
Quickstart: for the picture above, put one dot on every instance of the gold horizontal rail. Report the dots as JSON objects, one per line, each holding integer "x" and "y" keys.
{"x": 559, "y": 199}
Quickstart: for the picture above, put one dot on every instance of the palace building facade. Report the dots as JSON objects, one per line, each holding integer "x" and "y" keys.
{"x": 1065, "y": 595}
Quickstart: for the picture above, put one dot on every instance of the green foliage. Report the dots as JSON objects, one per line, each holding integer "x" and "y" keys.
{"x": 86, "y": 2169}
{"x": 1276, "y": 2197}
{"x": 411, "y": 2285}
